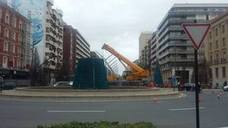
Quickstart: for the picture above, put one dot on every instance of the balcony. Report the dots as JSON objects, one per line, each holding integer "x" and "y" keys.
{"x": 175, "y": 28}
{"x": 179, "y": 43}
{"x": 180, "y": 20}
{"x": 178, "y": 37}
{"x": 165, "y": 68}
{"x": 153, "y": 66}
{"x": 164, "y": 61}
{"x": 163, "y": 54}
{"x": 178, "y": 51}
{"x": 185, "y": 13}
{"x": 163, "y": 39}
{"x": 176, "y": 59}
{"x": 181, "y": 59}
{"x": 173, "y": 38}
{"x": 218, "y": 61}
{"x": 172, "y": 21}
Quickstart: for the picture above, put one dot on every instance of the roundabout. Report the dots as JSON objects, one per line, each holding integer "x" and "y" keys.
{"x": 69, "y": 94}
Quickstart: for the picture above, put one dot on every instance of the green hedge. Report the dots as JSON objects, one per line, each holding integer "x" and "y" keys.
{"x": 102, "y": 124}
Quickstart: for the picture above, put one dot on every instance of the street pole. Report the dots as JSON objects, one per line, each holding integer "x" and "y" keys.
{"x": 197, "y": 90}
{"x": 196, "y": 33}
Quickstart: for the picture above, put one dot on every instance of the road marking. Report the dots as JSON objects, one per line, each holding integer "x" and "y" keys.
{"x": 76, "y": 111}
{"x": 223, "y": 127}
{"x": 185, "y": 109}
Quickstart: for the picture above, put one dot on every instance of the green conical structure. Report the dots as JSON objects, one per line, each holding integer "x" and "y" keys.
{"x": 158, "y": 76}
{"x": 90, "y": 74}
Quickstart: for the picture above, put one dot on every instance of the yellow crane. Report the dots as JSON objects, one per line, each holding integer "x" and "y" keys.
{"x": 136, "y": 72}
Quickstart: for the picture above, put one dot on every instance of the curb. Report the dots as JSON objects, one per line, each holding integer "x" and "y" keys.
{"x": 98, "y": 90}
{"x": 94, "y": 96}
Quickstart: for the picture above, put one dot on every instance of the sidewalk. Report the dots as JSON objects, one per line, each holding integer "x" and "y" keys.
{"x": 90, "y": 93}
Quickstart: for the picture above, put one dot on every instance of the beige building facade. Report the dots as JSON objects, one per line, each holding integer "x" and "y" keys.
{"x": 217, "y": 50}
{"x": 143, "y": 41}
{"x": 143, "y": 48}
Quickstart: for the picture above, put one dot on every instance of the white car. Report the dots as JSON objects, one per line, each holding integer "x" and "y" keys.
{"x": 63, "y": 83}
{"x": 225, "y": 88}
{"x": 71, "y": 83}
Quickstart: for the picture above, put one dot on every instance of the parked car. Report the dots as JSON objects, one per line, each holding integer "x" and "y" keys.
{"x": 189, "y": 86}
{"x": 71, "y": 83}
{"x": 63, "y": 83}
{"x": 8, "y": 85}
{"x": 225, "y": 88}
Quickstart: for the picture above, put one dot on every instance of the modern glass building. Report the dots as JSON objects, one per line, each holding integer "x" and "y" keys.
{"x": 175, "y": 52}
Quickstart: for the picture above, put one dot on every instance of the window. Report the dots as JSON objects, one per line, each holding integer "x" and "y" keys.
{"x": 224, "y": 72}
{"x": 216, "y": 58}
{"x": 0, "y": 13}
{"x": 7, "y": 18}
{"x": 183, "y": 56}
{"x": 210, "y": 35}
{"x": 18, "y": 64}
{"x": 6, "y": 46}
{"x": 183, "y": 48}
{"x": 14, "y": 35}
{"x": 223, "y": 57}
{"x": 216, "y": 32}
{"x": 224, "y": 54}
{"x": 48, "y": 29}
{"x": 18, "y": 50}
{"x": 217, "y": 55}
{"x": 223, "y": 29}
{"x": 5, "y": 61}
{"x": 210, "y": 73}
{"x": 6, "y": 33}
{"x": 13, "y": 48}
{"x": 20, "y": 37}
{"x": 216, "y": 44}
{"x": 13, "y": 62}
{"x": 210, "y": 46}
{"x": 224, "y": 42}
{"x": 20, "y": 25}
{"x": 14, "y": 21}
{"x": 216, "y": 73}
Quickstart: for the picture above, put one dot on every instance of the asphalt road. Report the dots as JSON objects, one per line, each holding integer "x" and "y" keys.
{"x": 174, "y": 113}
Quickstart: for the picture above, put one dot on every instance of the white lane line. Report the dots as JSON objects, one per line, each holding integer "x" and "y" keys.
{"x": 185, "y": 109}
{"x": 223, "y": 127}
{"x": 76, "y": 111}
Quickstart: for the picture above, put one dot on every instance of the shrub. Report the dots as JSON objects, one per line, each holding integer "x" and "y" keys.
{"x": 102, "y": 124}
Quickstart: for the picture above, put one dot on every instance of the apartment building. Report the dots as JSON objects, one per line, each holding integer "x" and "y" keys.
{"x": 54, "y": 38}
{"x": 144, "y": 58}
{"x": 82, "y": 47}
{"x": 216, "y": 50}
{"x": 144, "y": 48}
{"x": 153, "y": 57}
{"x": 47, "y": 34}
{"x": 15, "y": 42}
{"x": 175, "y": 52}
{"x": 74, "y": 48}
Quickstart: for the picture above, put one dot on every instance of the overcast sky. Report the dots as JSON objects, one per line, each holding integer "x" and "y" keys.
{"x": 117, "y": 22}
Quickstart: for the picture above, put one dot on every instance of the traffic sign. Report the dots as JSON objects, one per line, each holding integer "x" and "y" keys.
{"x": 196, "y": 33}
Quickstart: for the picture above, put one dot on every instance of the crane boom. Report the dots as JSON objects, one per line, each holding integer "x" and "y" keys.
{"x": 111, "y": 76}
{"x": 137, "y": 71}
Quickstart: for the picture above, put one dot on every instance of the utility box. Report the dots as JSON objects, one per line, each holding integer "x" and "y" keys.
{"x": 90, "y": 74}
